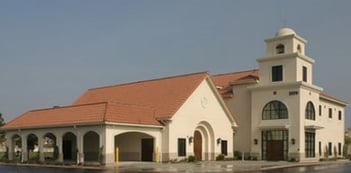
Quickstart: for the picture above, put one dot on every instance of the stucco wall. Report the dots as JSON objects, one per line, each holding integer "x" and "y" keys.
{"x": 201, "y": 109}
{"x": 240, "y": 105}
{"x": 333, "y": 130}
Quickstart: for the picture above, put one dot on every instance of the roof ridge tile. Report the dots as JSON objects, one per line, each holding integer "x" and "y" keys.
{"x": 231, "y": 73}
{"x": 150, "y": 80}
{"x": 68, "y": 106}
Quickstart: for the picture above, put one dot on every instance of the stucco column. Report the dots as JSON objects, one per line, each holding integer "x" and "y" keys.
{"x": 24, "y": 149}
{"x": 103, "y": 146}
{"x": 80, "y": 154}
{"x": 109, "y": 142}
{"x": 157, "y": 149}
{"x": 41, "y": 149}
{"x": 59, "y": 145}
{"x": 9, "y": 144}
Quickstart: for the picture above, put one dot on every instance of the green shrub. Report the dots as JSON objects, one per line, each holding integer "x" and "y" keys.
{"x": 3, "y": 156}
{"x": 293, "y": 160}
{"x": 33, "y": 155}
{"x": 191, "y": 159}
{"x": 237, "y": 155}
{"x": 220, "y": 157}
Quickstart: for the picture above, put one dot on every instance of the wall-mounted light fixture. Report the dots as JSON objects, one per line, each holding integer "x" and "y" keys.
{"x": 293, "y": 141}
{"x": 255, "y": 141}
{"x": 219, "y": 140}
{"x": 191, "y": 139}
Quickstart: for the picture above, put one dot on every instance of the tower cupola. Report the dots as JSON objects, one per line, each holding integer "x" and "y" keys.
{"x": 285, "y": 41}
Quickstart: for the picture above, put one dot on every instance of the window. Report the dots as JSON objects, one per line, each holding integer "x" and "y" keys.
{"x": 277, "y": 73}
{"x": 224, "y": 147}
{"x": 330, "y": 148}
{"x": 280, "y": 49}
{"x": 304, "y": 74}
{"x": 299, "y": 48}
{"x": 330, "y": 113}
{"x": 339, "y": 148}
{"x": 320, "y": 110}
{"x": 340, "y": 115}
{"x": 181, "y": 147}
{"x": 320, "y": 148}
{"x": 309, "y": 112}
{"x": 309, "y": 144}
{"x": 274, "y": 110}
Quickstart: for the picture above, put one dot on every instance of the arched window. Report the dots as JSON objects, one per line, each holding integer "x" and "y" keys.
{"x": 274, "y": 110}
{"x": 310, "y": 112}
{"x": 299, "y": 48}
{"x": 280, "y": 49}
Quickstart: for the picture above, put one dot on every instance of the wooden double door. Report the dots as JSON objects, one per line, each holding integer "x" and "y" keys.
{"x": 275, "y": 145}
{"x": 275, "y": 150}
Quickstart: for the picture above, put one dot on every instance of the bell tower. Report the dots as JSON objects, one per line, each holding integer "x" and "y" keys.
{"x": 285, "y": 60}
{"x": 285, "y": 41}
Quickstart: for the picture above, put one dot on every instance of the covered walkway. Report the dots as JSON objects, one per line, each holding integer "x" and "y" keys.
{"x": 70, "y": 144}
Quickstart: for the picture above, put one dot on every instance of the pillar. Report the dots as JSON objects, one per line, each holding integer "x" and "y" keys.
{"x": 59, "y": 145}
{"x": 41, "y": 149}
{"x": 80, "y": 154}
{"x": 10, "y": 149}
{"x": 24, "y": 149}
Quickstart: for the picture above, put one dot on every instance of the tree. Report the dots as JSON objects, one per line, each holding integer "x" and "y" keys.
{"x": 347, "y": 140}
{"x": 2, "y": 132}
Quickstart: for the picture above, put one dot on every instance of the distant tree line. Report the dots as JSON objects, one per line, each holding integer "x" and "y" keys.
{"x": 2, "y": 132}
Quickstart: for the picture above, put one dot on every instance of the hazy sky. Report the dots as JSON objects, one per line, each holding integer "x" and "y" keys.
{"x": 52, "y": 51}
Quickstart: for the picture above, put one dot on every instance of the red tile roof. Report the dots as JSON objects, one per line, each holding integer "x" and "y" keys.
{"x": 164, "y": 95}
{"x": 332, "y": 98}
{"x": 223, "y": 81}
{"x": 138, "y": 103}
{"x": 131, "y": 114}
{"x": 143, "y": 102}
{"x": 58, "y": 116}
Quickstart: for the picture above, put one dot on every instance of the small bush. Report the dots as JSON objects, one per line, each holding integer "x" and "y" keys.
{"x": 237, "y": 155}
{"x": 220, "y": 157}
{"x": 173, "y": 161}
{"x": 229, "y": 159}
{"x": 293, "y": 160}
{"x": 191, "y": 159}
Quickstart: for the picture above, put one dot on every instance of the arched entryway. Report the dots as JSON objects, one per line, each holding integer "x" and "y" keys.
{"x": 69, "y": 147}
{"x": 32, "y": 147}
{"x": 50, "y": 148}
{"x": 16, "y": 147}
{"x": 91, "y": 146}
{"x": 135, "y": 146}
{"x": 204, "y": 142}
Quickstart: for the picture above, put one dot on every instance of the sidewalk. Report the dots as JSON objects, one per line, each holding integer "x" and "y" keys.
{"x": 214, "y": 166}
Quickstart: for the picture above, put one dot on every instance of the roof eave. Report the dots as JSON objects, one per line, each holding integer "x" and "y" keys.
{"x": 135, "y": 125}
{"x": 54, "y": 125}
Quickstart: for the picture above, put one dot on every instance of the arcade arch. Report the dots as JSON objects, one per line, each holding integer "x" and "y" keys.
{"x": 91, "y": 144}
{"x": 135, "y": 146}
{"x": 69, "y": 147}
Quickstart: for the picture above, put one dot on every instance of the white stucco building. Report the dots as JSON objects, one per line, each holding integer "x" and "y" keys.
{"x": 281, "y": 114}
{"x": 155, "y": 120}
{"x": 274, "y": 112}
